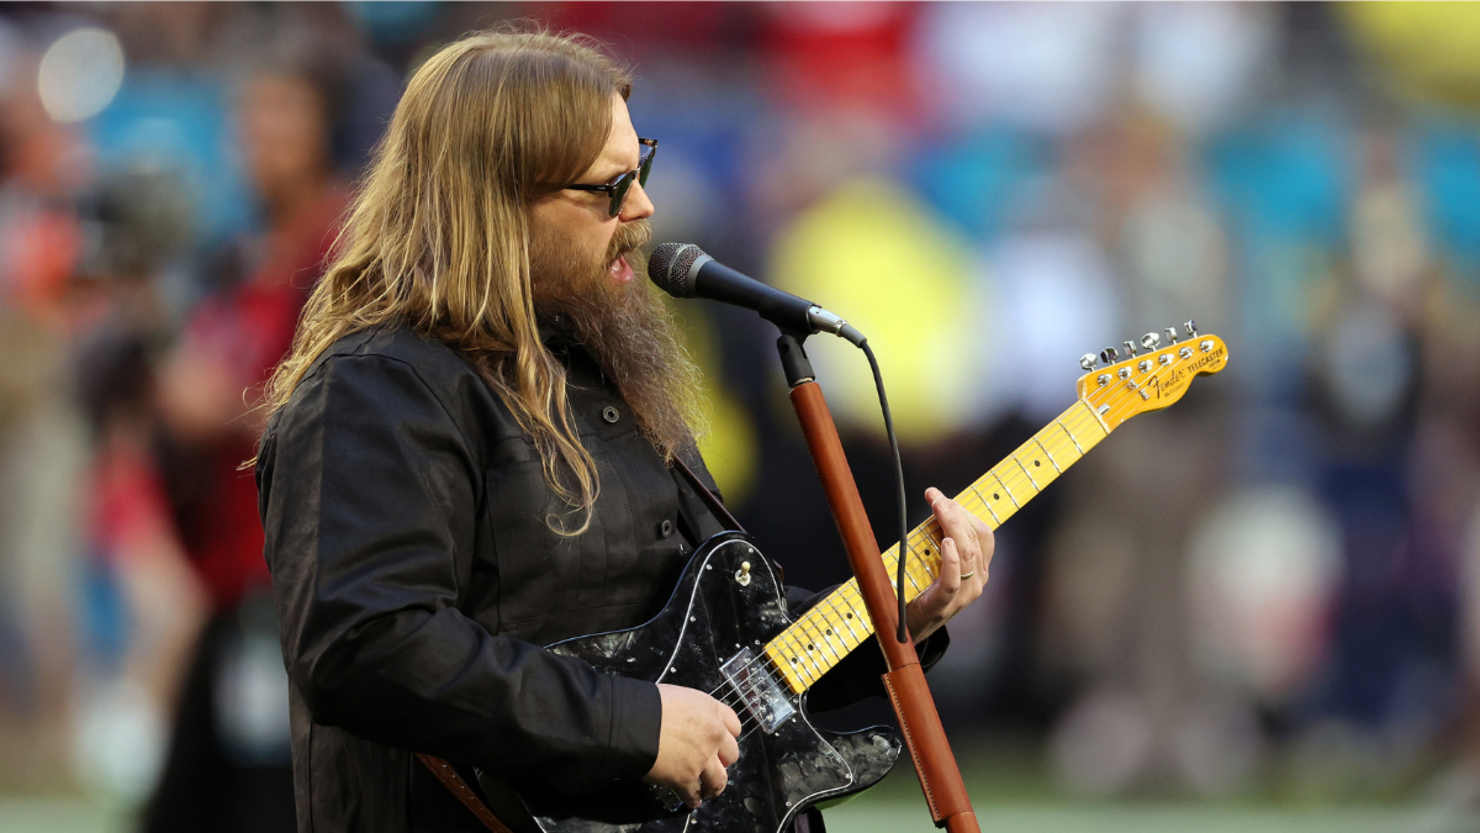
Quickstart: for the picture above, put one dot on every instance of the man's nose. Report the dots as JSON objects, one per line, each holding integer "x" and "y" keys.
{"x": 637, "y": 206}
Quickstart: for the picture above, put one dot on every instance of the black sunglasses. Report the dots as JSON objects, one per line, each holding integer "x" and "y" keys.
{"x": 619, "y": 187}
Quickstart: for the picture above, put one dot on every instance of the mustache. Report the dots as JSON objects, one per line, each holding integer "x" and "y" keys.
{"x": 631, "y": 236}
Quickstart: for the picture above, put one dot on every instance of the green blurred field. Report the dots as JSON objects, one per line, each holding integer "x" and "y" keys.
{"x": 1010, "y": 789}
{"x": 893, "y": 814}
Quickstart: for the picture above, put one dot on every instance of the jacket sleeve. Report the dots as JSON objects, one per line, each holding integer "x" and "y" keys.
{"x": 860, "y": 674}
{"x": 369, "y": 497}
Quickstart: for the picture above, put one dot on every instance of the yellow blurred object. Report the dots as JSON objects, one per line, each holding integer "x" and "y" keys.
{"x": 730, "y": 448}
{"x": 729, "y": 443}
{"x": 871, "y": 252}
{"x": 1433, "y": 49}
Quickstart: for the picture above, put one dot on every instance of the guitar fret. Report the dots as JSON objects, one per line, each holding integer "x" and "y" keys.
{"x": 1094, "y": 414}
{"x": 1046, "y": 453}
{"x": 819, "y": 636}
{"x": 822, "y": 634}
{"x": 1010, "y": 496}
{"x": 813, "y": 639}
{"x": 1060, "y": 423}
{"x": 807, "y": 657}
{"x": 979, "y": 497}
{"x": 1036, "y": 487}
{"x": 834, "y": 605}
{"x": 796, "y": 670}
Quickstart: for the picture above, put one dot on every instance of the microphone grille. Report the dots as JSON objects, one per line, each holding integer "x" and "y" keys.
{"x": 669, "y": 265}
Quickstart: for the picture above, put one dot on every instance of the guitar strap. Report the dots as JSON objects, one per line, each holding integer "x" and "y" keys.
{"x": 459, "y": 787}
{"x": 711, "y": 500}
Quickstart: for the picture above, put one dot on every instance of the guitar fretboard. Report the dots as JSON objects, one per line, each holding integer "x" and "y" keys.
{"x": 838, "y": 623}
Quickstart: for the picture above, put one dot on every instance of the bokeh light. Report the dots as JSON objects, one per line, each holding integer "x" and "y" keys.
{"x": 80, "y": 74}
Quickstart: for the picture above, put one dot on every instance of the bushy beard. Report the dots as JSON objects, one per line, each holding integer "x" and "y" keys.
{"x": 626, "y": 328}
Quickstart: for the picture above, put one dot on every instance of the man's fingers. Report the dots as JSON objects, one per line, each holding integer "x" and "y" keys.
{"x": 729, "y": 751}
{"x": 956, "y": 524}
{"x": 950, "y": 567}
{"x": 689, "y": 794}
{"x": 713, "y": 780}
{"x": 732, "y": 722}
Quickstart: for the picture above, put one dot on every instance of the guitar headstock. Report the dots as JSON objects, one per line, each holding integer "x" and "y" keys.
{"x": 1150, "y": 380}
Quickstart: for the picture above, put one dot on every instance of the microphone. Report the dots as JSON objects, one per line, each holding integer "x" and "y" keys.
{"x": 683, "y": 270}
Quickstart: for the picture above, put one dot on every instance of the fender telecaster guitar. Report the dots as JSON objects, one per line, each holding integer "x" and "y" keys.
{"x": 726, "y": 630}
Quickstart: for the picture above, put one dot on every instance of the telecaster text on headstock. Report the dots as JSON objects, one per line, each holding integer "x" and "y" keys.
{"x": 1178, "y": 374}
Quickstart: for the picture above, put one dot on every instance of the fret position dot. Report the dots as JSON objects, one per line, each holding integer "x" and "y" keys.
{"x": 996, "y": 496}
{"x": 1036, "y": 463}
{"x": 850, "y": 616}
{"x": 809, "y": 646}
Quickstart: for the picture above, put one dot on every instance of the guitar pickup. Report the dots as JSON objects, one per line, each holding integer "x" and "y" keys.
{"x": 758, "y": 690}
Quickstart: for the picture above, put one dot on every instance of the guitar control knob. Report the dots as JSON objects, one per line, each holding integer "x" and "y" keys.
{"x": 1150, "y": 340}
{"x": 1171, "y": 335}
{"x": 1087, "y": 361}
{"x": 1191, "y": 327}
{"x": 1108, "y": 355}
{"x": 742, "y": 575}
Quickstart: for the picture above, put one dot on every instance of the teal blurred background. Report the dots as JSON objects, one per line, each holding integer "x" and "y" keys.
{"x": 1258, "y": 610}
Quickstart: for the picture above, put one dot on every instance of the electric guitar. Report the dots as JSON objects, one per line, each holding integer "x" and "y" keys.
{"x": 726, "y": 631}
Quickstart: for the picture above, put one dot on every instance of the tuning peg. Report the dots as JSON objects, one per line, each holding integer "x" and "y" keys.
{"x": 1087, "y": 361}
{"x": 1130, "y": 348}
{"x": 1191, "y": 327}
{"x": 1108, "y": 355}
{"x": 1150, "y": 340}
{"x": 1171, "y": 335}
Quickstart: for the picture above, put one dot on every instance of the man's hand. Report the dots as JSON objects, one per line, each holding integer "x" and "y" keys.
{"x": 966, "y": 552}
{"x": 695, "y": 744}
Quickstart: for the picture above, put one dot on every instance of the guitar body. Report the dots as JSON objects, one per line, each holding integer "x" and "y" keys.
{"x": 718, "y": 609}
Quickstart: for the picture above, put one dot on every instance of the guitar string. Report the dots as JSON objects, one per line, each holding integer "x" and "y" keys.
{"x": 924, "y": 535}
{"x": 1080, "y": 421}
{"x": 927, "y": 532}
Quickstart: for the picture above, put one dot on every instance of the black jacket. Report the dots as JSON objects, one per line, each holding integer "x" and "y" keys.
{"x": 415, "y": 578}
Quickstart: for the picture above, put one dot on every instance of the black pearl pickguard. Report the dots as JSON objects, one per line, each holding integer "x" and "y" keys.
{"x": 712, "y": 614}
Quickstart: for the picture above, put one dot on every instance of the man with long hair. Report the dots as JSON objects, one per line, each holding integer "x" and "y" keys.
{"x": 470, "y": 454}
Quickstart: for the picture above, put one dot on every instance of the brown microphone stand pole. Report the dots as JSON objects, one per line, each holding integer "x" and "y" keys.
{"x": 926, "y": 739}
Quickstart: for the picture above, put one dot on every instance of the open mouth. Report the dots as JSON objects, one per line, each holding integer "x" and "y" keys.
{"x": 621, "y": 270}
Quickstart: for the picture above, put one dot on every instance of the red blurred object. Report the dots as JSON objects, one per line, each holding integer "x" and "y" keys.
{"x": 844, "y": 53}
{"x": 246, "y": 331}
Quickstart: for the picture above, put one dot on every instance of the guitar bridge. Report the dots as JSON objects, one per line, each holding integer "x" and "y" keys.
{"x": 758, "y": 690}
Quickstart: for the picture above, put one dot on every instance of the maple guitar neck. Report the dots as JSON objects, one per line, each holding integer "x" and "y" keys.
{"x": 837, "y": 624}
{"x": 1108, "y": 396}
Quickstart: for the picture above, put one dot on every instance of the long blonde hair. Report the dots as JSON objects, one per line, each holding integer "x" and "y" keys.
{"x": 437, "y": 239}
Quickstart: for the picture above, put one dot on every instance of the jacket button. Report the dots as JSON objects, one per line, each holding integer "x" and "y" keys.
{"x": 610, "y": 414}
{"x": 665, "y": 529}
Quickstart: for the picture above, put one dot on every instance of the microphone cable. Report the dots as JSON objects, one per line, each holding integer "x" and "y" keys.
{"x": 902, "y": 634}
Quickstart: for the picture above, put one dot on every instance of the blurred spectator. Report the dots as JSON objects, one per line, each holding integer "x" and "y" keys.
{"x": 228, "y": 764}
{"x": 42, "y": 441}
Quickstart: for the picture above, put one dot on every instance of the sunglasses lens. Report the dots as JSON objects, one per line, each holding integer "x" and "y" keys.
{"x": 620, "y": 194}
{"x": 647, "y": 166}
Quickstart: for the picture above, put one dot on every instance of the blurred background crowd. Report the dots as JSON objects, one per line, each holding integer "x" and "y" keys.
{"x": 1271, "y": 590}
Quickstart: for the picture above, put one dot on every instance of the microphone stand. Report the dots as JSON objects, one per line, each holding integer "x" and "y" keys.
{"x": 940, "y": 778}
